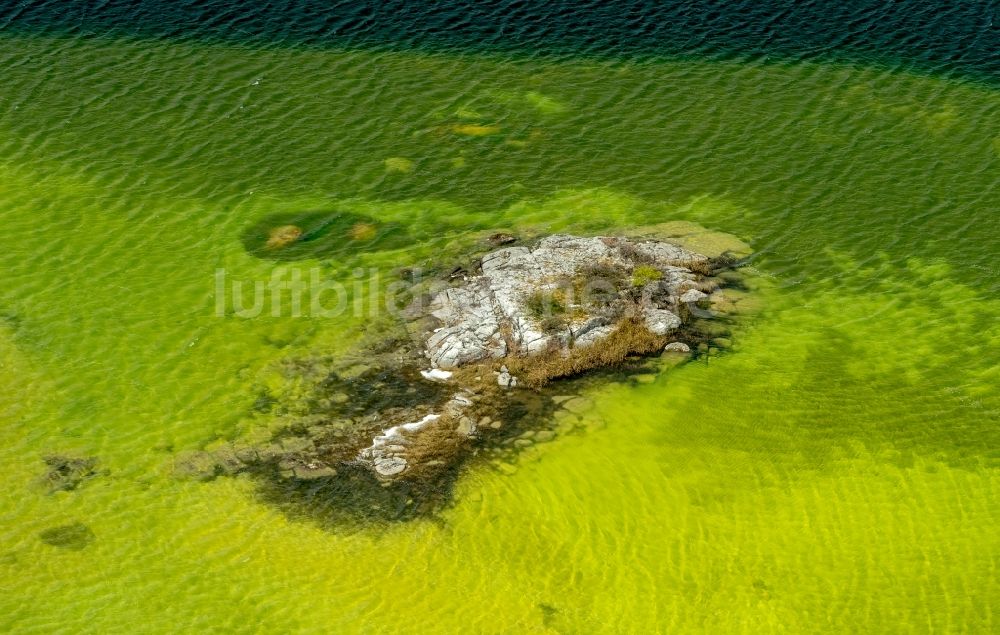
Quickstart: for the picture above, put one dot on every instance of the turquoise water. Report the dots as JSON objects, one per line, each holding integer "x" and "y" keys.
{"x": 835, "y": 470}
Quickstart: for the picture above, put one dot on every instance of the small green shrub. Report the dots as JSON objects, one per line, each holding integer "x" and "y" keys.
{"x": 644, "y": 274}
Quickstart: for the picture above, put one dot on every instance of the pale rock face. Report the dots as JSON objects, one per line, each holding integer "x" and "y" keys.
{"x": 667, "y": 253}
{"x": 466, "y": 427}
{"x": 489, "y": 315}
{"x": 692, "y": 295}
{"x": 660, "y": 321}
{"x": 389, "y": 465}
{"x": 593, "y": 336}
{"x": 474, "y": 331}
{"x": 676, "y": 347}
{"x": 506, "y": 380}
{"x": 677, "y": 278}
{"x": 387, "y": 449}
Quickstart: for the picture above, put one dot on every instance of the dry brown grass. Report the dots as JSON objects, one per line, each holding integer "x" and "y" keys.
{"x": 438, "y": 441}
{"x": 704, "y": 267}
{"x": 631, "y": 337}
{"x": 708, "y": 285}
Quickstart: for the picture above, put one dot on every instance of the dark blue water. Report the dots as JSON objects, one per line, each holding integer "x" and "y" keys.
{"x": 958, "y": 37}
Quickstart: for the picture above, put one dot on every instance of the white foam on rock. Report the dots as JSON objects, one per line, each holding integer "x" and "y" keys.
{"x": 395, "y": 432}
{"x": 436, "y": 374}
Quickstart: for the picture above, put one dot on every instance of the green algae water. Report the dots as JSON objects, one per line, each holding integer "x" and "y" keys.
{"x": 835, "y": 470}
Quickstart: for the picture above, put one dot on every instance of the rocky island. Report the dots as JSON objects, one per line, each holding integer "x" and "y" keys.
{"x": 481, "y": 350}
{"x": 529, "y": 315}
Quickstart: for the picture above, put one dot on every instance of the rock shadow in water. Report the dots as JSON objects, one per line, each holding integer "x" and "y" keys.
{"x": 354, "y": 496}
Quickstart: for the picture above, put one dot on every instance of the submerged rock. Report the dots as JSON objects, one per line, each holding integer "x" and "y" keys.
{"x": 501, "y": 238}
{"x": 389, "y": 465}
{"x": 693, "y": 236}
{"x": 197, "y": 465}
{"x": 67, "y": 473}
{"x": 313, "y": 470}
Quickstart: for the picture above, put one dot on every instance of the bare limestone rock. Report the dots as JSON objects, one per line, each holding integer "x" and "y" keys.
{"x": 566, "y": 291}
{"x": 693, "y": 295}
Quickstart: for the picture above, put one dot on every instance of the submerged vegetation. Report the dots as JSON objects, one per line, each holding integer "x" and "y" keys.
{"x": 74, "y": 537}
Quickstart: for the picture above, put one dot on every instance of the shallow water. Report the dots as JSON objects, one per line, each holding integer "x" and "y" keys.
{"x": 836, "y": 470}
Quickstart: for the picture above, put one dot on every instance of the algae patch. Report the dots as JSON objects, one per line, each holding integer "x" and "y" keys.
{"x": 72, "y": 537}
{"x": 401, "y": 165}
{"x": 475, "y": 130}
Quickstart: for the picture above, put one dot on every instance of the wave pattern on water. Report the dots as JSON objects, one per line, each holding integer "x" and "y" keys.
{"x": 952, "y": 37}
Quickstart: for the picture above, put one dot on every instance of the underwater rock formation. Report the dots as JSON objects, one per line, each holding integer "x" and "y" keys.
{"x": 67, "y": 473}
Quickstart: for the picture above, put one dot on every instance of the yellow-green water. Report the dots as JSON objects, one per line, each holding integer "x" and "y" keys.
{"x": 835, "y": 471}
